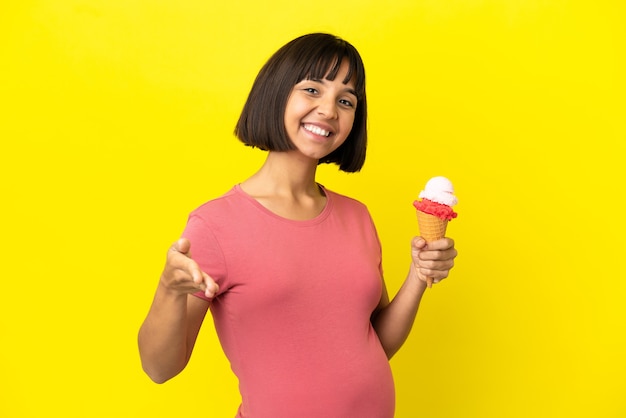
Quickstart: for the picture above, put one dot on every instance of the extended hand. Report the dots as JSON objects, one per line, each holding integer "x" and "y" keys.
{"x": 182, "y": 274}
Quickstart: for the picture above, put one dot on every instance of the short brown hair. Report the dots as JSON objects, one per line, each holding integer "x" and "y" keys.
{"x": 316, "y": 56}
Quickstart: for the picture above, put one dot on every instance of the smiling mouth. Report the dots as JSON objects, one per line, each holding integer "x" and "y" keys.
{"x": 316, "y": 130}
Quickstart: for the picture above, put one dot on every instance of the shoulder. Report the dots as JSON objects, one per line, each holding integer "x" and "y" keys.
{"x": 218, "y": 206}
{"x": 345, "y": 201}
{"x": 229, "y": 215}
{"x": 348, "y": 206}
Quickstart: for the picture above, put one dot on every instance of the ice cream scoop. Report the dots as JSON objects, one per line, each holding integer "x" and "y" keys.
{"x": 434, "y": 210}
{"x": 439, "y": 189}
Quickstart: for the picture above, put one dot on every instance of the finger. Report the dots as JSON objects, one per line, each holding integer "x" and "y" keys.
{"x": 202, "y": 280}
{"x": 438, "y": 255}
{"x": 435, "y": 265}
{"x": 210, "y": 287}
{"x": 435, "y": 274}
{"x": 435, "y": 269}
{"x": 434, "y": 256}
{"x": 182, "y": 246}
{"x": 441, "y": 244}
{"x": 418, "y": 243}
{"x": 193, "y": 269}
{"x": 180, "y": 257}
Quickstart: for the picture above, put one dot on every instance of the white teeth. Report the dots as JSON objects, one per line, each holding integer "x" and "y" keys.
{"x": 316, "y": 130}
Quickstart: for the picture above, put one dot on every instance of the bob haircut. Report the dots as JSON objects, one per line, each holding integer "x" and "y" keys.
{"x": 312, "y": 56}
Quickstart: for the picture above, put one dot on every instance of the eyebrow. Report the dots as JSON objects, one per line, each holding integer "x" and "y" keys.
{"x": 352, "y": 92}
{"x": 347, "y": 90}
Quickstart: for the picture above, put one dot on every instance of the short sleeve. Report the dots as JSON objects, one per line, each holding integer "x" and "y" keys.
{"x": 206, "y": 251}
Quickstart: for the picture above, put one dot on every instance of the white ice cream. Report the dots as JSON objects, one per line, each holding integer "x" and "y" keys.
{"x": 439, "y": 189}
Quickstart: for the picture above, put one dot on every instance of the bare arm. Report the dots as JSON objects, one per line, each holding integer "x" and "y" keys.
{"x": 393, "y": 320}
{"x": 168, "y": 334}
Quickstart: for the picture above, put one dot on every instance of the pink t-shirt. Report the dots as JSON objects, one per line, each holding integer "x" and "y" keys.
{"x": 293, "y": 311}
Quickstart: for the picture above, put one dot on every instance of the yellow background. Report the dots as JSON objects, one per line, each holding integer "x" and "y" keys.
{"x": 116, "y": 120}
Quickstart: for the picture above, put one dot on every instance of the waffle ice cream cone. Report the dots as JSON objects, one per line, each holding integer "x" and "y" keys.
{"x": 431, "y": 227}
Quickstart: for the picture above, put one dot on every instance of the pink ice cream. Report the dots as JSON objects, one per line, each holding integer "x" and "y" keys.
{"x": 437, "y": 199}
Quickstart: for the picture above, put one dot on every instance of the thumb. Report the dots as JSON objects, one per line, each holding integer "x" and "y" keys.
{"x": 417, "y": 245}
{"x": 182, "y": 246}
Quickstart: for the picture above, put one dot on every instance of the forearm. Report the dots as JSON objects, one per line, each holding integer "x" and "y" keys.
{"x": 394, "y": 322}
{"x": 163, "y": 336}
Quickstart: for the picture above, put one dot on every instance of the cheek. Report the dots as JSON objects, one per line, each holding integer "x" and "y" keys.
{"x": 293, "y": 112}
{"x": 349, "y": 124}
{"x": 352, "y": 118}
{"x": 297, "y": 108}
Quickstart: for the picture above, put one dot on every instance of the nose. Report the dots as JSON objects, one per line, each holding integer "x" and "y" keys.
{"x": 327, "y": 107}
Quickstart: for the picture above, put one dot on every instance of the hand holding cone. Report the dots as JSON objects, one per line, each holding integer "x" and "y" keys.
{"x": 435, "y": 210}
{"x": 431, "y": 228}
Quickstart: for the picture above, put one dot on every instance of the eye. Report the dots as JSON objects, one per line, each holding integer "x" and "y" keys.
{"x": 310, "y": 90}
{"x": 346, "y": 102}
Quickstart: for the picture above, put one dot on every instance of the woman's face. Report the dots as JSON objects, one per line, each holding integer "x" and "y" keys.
{"x": 320, "y": 114}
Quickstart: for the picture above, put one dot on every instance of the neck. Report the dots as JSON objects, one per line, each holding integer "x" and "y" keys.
{"x": 285, "y": 174}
